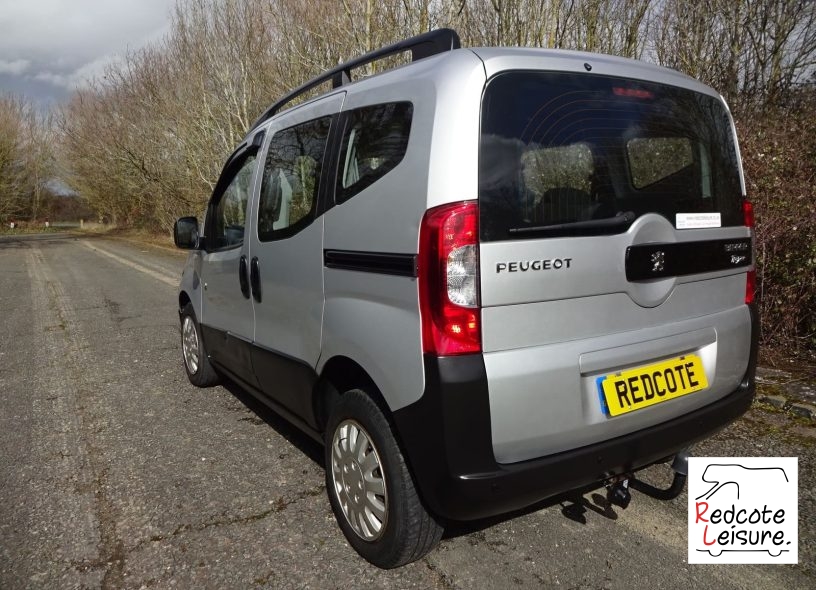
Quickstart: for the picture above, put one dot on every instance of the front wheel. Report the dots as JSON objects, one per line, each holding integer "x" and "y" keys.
{"x": 196, "y": 362}
{"x": 370, "y": 488}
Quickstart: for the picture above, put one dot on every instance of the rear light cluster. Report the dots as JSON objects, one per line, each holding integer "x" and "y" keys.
{"x": 448, "y": 273}
{"x": 750, "y": 283}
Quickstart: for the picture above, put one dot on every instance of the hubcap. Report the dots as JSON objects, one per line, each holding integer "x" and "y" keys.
{"x": 358, "y": 479}
{"x": 189, "y": 344}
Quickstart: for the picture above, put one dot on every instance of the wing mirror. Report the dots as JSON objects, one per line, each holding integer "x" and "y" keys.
{"x": 185, "y": 233}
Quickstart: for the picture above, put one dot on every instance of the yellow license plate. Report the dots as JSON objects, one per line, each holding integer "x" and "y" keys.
{"x": 645, "y": 386}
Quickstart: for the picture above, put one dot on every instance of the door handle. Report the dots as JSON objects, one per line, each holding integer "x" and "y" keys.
{"x": 243, "y": 276}
{"x": 255, "y": 278}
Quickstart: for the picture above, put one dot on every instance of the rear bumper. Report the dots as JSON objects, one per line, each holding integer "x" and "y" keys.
{"x": 446, "y": 436}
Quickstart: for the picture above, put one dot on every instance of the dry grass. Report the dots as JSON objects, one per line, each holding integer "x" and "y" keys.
{"x": 141, "y": 237}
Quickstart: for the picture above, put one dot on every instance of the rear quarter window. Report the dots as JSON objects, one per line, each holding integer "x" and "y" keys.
{"x": 374, "y": 143}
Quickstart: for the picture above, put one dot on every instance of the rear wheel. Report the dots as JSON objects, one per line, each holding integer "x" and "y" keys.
{"x": 370, "y": 488}
{"x": 196, "y": 362}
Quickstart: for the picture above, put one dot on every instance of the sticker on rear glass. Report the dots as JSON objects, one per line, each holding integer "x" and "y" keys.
{"x": 697, "y": 220}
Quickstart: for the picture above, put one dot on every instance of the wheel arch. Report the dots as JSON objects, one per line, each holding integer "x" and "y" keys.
{"x": 339, "y": 375}
{"x": 183, "y": 300}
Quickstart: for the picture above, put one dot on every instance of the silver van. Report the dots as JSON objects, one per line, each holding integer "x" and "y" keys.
{"x": 482, "y": 279}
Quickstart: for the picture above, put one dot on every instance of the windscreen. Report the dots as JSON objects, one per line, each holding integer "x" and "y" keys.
{"x": 580, "y": 154}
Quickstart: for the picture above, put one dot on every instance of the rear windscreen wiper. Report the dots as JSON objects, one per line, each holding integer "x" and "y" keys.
{"x": 622, "y": 218}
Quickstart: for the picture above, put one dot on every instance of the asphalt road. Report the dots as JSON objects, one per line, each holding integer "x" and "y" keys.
{"x": 116, "y": 473}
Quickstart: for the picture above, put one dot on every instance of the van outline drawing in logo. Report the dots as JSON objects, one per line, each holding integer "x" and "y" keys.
{"x": 743, "y": 510}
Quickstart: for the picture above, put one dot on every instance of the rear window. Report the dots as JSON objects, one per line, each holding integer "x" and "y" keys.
{"x": 576, "y": 154}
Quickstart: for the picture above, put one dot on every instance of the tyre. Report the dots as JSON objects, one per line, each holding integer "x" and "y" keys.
{"x": 370, "y": 488}
{"x": 196, "y": 362}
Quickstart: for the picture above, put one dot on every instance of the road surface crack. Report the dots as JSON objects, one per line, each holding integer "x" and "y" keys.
{"x": 444, "y": 579}
{"x": 278, "y": 505}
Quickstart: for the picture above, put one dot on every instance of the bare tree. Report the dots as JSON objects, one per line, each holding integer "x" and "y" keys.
{"x": 38, "y": 159}
{"x": 146, "y": 142}
{"x": 754, "y": 51}
{"x": 26, "y": 158}
{"x": 11, "y": 166}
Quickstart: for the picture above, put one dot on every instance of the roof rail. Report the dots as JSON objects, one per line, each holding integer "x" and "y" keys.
{"x": 421, "y": 46}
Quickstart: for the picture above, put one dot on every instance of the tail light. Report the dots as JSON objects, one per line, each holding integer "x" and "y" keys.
{"x": 748, "y": 214}
{"x": 750, "y": 287}
{"x": 750, "y": 283}
{"x": 448, "y": 273}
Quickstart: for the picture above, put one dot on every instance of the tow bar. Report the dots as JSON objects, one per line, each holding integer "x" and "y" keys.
{"x": 680, "y": 468}
{"x": 617, "y": 489}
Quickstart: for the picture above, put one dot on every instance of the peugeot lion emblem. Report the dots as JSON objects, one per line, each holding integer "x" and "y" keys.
{"x": 658, "y": 261}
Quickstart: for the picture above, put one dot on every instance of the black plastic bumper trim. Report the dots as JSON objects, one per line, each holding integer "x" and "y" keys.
{"x": 447, "y": 439}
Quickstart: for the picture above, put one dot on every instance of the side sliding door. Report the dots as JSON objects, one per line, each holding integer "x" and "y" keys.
{"x": 287, "y": 255}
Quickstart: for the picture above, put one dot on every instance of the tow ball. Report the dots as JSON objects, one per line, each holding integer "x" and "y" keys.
{"x": 617, "y": 492}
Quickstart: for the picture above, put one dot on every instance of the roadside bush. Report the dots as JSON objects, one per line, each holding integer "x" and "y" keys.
{"x": 779, "y": 156}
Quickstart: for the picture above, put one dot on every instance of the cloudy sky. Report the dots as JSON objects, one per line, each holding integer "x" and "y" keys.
{"x": 49, "y": 47}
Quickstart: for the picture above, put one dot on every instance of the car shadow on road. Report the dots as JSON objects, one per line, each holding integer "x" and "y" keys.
{"x": 574, "y": 506}
{"x": 293, "y": 435}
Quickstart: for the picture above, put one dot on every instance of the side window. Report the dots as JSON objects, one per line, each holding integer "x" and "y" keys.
{"x": 229, "y": 214}
{"x": 291, "y": 179}
{"x": 374, "y": 142}
{"x": 654, "y": 158}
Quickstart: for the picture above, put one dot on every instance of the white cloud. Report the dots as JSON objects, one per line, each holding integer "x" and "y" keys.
{"x": 16, "y": 67}
{"x": 52, "y": 78}
{"x": 64, "y": 42}
{"x": 78, "y": 77}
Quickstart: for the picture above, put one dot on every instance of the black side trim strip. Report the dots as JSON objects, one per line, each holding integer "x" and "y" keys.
{"x": 655, "y": 261}
{"x": 403, "y": 265}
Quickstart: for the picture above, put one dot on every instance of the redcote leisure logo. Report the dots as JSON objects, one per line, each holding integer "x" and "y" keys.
{"x": 743, "y": 510}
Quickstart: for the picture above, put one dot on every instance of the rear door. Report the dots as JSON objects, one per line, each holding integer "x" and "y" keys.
{"x": 612, "y": 239}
